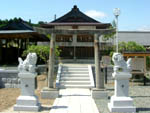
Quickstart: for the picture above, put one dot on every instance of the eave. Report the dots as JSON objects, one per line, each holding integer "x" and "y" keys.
{"x": 103, "y": 25}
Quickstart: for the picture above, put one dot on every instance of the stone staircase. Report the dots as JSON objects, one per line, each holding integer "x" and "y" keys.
{"x": 75, "y": 77}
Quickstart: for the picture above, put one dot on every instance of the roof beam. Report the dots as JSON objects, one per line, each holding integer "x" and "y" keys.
{"x": 72, "y": 31}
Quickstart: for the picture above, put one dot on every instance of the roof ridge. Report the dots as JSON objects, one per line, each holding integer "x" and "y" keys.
{"x": 75, "y": 15}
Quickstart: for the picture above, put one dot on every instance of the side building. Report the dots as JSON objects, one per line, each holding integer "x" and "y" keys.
{"x": 140, "y": 37}
{"x": 14, "y": 39}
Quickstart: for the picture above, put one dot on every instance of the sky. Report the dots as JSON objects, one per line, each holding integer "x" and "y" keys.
{"x": 135, "y": 14}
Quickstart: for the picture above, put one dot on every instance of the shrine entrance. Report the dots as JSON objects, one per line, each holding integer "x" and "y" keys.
{"x": 95, "y": 33}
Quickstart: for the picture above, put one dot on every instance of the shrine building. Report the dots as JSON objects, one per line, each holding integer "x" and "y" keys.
{"x": 76, "y": 46}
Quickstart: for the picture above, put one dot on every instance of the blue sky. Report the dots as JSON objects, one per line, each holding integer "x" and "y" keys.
{"x": 135, "y": 14}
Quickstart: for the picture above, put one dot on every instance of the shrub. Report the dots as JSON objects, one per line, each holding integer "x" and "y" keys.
{"x": 42, "y": 52}
{"x": 131, "y": 46}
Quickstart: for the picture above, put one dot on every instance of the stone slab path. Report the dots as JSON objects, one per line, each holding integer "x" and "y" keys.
{"x": 74, "y": 101}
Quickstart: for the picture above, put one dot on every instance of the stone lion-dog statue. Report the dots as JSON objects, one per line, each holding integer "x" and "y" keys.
{"x": 29, "y": 64}
{"x": 120, "y": 65}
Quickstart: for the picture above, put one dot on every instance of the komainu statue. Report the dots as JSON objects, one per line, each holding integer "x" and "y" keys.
{"x": 120, "y": 65}
{"x": 29, "y": 64}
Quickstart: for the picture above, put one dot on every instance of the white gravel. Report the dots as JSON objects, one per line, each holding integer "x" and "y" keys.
{"x": 139, "y": 93}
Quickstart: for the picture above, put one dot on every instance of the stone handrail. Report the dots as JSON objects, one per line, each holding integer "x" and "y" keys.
{"x": 91, "y": 76}
{"x": 58, "y": 75}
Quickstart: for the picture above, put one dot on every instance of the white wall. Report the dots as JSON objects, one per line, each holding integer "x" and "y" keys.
{"x": 141, "y": 37}
{"x": 79, "y": 27}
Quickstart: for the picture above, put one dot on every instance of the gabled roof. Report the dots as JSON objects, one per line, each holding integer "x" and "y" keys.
{"x": 22, "y": 34}
{"x": 75, "y": 15}
{"x": 16, "y": 31}
{"x": 19, "y": 25}
{"x": 76, "y": 18}
{"x": 20, "y": 29}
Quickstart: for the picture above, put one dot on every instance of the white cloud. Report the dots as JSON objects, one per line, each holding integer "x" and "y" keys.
{"x": 96, "y": 14}
{"x": 144, "y": 28}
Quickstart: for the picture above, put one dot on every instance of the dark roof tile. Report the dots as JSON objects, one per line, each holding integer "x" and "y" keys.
{"x": 75, "y": 15}
{"x": 21, "y": 25}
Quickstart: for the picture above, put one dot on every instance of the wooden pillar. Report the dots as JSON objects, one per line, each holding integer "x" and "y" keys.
{"x": 18, "y": 48}
{"x": 99, "y": 76}
{"x": 74, "y": 56}
{"x": 51, "y": 61}
{"x": 74, "y": 43}
{"x": 1, "y": 50}
{"x": 145, "y": 64}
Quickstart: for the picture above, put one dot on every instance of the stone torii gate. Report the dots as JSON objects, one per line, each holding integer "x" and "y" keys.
{"x": 97, "y": 33}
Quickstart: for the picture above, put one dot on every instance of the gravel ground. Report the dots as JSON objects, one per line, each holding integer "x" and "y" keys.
{"x": 139, "y": 93}
{"x": 44, "y": 109}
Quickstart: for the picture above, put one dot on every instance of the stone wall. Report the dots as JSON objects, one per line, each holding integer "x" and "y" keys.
{"x": 109, "y": 72}
{"x": 9, "y": 79}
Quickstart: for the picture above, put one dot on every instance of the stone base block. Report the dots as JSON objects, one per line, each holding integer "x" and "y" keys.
{"x": 49, "y": 93}
{"x": 27, "y": 103}
{"x": 27, "y": 108}
{"x": 99, "y": 94}
{"x": 121, "y": 104}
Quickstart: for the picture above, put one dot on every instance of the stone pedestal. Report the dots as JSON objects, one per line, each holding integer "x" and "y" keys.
{"x": 99, "y": 93}
{"x": 27, "y": 101}
{"x": 120, "y": 102}
{"x": 49, "y": 93}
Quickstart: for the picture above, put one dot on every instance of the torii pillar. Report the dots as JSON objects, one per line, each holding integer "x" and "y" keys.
{"x": 50, "y": 91}
{"x": 51, "y": 62}
{"x": 98, "y": 92}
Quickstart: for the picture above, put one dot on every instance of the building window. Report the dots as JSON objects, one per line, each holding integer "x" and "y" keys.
{"x": 64, "y": 38}
{"x": 85, "y": 38}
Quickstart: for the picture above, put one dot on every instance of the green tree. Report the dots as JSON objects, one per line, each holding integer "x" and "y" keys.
{"x": 42, "y": 52}
{"x": 131, "y": 46}
{"x": 112, "y": 34}
{"x": 41, "y": 22}
{"x": 15, "y": 19}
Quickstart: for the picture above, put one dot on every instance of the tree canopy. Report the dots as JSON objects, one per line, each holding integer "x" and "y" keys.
{"x": 110, "y": 35}
{"x": 6, "y": 21}
{"x": 131, "y": 46}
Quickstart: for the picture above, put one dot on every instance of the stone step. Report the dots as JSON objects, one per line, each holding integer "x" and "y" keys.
{"x": 77, "y": 69}
{"x": 74, "y": 75}
{"x": 75, "y": 66}
{"x": 75, "y": 82}
{"x": 75, "y": 86}
{"x": 75, "y": 78}
{"x": 75, "y": 72}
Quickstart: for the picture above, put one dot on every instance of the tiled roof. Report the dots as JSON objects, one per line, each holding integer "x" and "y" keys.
{"x": 76, "y": 18}
{"x": 75, "y": 15}
{"x": 20, "y": 25}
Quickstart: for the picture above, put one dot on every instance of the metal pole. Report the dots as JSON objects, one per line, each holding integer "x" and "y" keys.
{"x": 117, "y": 34}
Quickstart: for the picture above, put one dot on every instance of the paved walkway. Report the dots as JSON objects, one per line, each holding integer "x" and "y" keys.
{"x": 74, "y": 101}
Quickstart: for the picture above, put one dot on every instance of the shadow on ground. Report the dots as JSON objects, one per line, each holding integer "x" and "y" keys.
{"x": 45, "y": 108}
{"x": 142, "y": 109}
